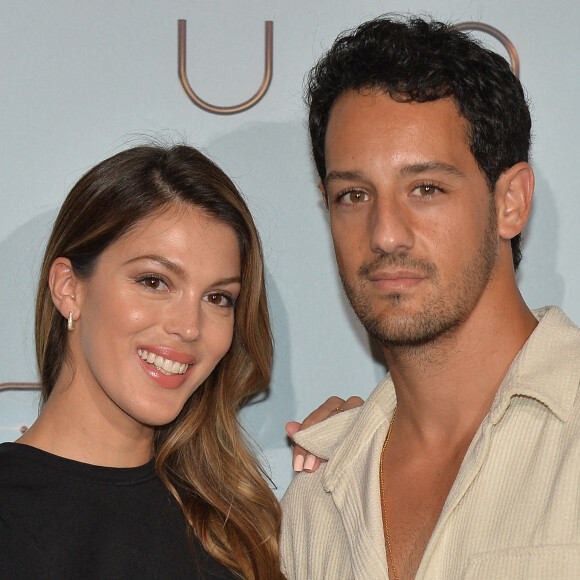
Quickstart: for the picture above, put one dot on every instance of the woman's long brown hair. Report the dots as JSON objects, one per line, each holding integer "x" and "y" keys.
{"x": 202, "y": 456}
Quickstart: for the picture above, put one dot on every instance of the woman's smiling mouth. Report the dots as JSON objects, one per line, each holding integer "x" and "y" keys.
{"x": 163, "y": 365}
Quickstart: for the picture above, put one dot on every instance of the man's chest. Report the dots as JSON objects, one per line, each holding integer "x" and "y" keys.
{"x": 411, "y": 504}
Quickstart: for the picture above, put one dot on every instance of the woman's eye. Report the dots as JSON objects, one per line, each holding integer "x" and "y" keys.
{"x": 218, "y": 299}
{"x": 152, "y": 282}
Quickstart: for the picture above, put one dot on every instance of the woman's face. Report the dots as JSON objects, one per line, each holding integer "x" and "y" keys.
{"x": 156, "y": 316}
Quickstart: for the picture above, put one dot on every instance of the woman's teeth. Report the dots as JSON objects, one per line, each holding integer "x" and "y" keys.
{"x": 166, "y": 366}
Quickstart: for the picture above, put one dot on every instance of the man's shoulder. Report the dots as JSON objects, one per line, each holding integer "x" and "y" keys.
{"x": 305, "y": 489}
{"x": 347, "y": 442}
{"x": 323, "y": 438}
{"x": 555, "y": 326}
{"x": 351, "y": 427}
{"x": 322, "y": 510}
{"x": 547, "y": 368}
{"x": 313, "y": 542}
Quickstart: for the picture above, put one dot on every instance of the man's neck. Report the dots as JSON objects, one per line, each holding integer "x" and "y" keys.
{"x": 446, "y": 387}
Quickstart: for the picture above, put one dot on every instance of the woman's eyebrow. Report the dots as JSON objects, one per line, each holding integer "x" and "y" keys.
{"x": 169, "y": 264}
{"x": 231, "y": 280}
{"x": 178, "y": 270}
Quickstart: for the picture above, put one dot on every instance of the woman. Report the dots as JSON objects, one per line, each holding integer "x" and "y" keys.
{"x": 151, "y": 331}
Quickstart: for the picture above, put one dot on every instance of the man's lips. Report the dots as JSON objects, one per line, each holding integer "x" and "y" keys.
{"x": 395, "y": 279}
{"x": 379, "y": 275}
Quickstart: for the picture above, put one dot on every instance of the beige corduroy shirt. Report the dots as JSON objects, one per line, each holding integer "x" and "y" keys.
{"x": 514, "y": 509}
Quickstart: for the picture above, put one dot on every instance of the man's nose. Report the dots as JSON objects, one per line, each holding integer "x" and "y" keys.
{"x": 391, "y": 229}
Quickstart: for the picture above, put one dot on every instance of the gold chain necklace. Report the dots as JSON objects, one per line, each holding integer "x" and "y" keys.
{"x": 384, "y": 498}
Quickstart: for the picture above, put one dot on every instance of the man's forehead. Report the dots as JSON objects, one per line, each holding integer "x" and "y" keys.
{"x": 357, "y": 98}
{"x": 414, "y": 135}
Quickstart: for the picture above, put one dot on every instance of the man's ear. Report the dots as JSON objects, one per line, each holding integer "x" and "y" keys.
{"x": 514, "y": 190}
{"x": 323, "y": 192}
{"x": 65, "y": 288}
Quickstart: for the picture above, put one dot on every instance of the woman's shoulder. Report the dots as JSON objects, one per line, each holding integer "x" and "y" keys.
{"x": 14, "y": 462}
{"x": 23, "y": 479}
{"x": 23, "y": 465}
{"x": 11, "y": 451}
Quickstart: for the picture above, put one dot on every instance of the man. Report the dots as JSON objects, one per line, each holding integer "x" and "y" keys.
{"x": 465, "y": 460}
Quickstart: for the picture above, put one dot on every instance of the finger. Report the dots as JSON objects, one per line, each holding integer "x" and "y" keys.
{"x": 330, "y": 407}
{"x": 352, "y": 403}
{"x": 299, "y": 458}
{"x": 298, "y": 453}
{"x": 302, "y": 460}
{"x": 311, "y": 463}
{"x": 292, "y": 427}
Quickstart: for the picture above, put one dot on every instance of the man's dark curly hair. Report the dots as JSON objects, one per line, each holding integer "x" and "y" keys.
{"x": 416, "y": 60}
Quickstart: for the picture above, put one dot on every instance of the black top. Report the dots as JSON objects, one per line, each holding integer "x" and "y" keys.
{"x": 62, "y": 519}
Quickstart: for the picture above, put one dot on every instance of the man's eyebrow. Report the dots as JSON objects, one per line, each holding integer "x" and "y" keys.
{"x": 438, "y": 166}
{"x": 342, "y": 176}
{"x": 169, "y": 264}
{"x": 408, "y": 170}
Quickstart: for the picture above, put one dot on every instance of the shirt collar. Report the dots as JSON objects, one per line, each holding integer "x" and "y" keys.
{"x": 546, "y": 369}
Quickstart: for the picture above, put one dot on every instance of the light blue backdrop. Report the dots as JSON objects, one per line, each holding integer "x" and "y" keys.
{"x": 80, "y": 81}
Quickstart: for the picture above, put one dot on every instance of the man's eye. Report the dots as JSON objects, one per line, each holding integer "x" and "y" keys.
{"x": 354, "y": 196}
{"x": 426, "y": 190}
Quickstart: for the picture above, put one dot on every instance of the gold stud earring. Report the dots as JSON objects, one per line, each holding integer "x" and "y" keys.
{"x": 71, "y": 323}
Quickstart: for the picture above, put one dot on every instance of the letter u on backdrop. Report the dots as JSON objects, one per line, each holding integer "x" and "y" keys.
{"x": 225, "y": 110}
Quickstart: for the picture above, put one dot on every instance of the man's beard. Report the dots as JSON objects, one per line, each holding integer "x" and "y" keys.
{"x": 442, "y": 313}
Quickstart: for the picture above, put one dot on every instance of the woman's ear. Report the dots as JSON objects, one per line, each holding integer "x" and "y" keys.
{"x": 65, "y": 289}
{"x": 514, "y": 190}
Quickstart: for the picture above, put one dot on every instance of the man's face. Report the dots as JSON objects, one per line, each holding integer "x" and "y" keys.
{"x": 413, "y": 221}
